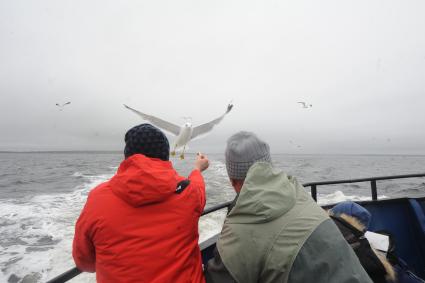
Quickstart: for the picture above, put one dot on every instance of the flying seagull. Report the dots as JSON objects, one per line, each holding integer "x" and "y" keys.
{"x": 305, "y": 105}
{"x": 184, "y": 133}
{"x": 61, "y": 106}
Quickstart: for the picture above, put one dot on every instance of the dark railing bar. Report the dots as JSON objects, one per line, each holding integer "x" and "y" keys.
{"x": 374, "y": 191}
{"x": 67, "y": 275}
{"x": 314, "y": 192}
{"x": 363, "y": 180}
{"x": 217, "y": 207}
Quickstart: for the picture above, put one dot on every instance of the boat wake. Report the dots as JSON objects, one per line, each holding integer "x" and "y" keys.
{"x": 37, "y": 234}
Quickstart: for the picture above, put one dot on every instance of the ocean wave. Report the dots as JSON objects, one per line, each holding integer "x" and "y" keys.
{"x": 339, "y": 196}
{"x": 78, "y": 174}
{"x": 416, "y": 190}
{"x": 219, "y": 169}
{"x": 14, "y": 183}
{"x": 305, "y": 165}
{"x": 3, "y": 175}
{"x": 355, "y": 186}
{"x": 37, "y": 234}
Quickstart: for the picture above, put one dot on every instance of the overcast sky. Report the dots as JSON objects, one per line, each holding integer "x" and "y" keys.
{"x": 360, "y": 63}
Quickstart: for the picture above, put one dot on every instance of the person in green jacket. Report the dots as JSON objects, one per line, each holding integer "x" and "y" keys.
{"x": 275, "y": 232}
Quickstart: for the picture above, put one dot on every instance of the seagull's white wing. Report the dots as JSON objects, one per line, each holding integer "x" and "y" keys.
{"x": 303, "y": 103}
{"x": 164, "y": 125}
{"x": 205, "y": 128}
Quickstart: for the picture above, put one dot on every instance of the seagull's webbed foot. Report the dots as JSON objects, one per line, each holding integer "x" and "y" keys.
{"x": 173, "y": 153}
{"x": 182, "y": 156}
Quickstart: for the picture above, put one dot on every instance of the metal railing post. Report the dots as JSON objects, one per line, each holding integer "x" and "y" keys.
{"x": 374, "y": 191}
{"x": 313, "y": 190}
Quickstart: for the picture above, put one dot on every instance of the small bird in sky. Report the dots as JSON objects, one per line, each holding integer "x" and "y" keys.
{"x": 184, "y": 133}
{"x": 61, "y": 106}
{"x": 305, "y": 105}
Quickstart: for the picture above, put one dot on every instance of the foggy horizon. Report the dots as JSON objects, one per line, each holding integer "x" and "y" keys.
{"x": 361, "y": 65}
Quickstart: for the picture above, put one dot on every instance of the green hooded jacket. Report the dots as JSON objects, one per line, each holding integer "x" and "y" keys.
{"x": 276, "y": 233}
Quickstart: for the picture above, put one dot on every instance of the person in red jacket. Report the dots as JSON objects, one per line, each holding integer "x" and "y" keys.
{"x": 142, "y": 224}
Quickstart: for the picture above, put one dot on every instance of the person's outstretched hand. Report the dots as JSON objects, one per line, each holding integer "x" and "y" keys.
{"x": 201, "y": 162}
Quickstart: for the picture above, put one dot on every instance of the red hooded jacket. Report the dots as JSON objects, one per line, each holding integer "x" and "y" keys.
{"x": 136, "y": 228}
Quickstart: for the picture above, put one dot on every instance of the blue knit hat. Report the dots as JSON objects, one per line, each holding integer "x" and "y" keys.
{"x": 147, "y": 140}
{"x": 353, "y": 209}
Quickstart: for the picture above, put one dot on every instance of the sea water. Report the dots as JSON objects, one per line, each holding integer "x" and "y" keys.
{"x": 42, "y": 194}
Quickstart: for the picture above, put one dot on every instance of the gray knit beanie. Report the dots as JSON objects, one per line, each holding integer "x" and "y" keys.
{"x": 244, "y": 149}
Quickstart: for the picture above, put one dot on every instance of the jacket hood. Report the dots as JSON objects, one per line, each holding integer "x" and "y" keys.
{"x": 353, "y": 221}
{"x": 351, "y": 208}
{"x": 267, "y": 193}
{"x": 141, "y": 180}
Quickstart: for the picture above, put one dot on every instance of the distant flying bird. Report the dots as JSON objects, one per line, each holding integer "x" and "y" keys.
{"x": 305, "y": 105}
{"x": 61, "y": 106}
{"x": 185, "y": 133}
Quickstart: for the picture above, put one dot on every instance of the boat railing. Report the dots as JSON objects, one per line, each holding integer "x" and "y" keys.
{"x": 372, "y": 180}
{"x": 68, "y": 275}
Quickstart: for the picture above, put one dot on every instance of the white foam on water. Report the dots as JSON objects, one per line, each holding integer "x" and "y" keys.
{"x": 211, "y": 224}
{"x": 77, "y": 174}
{"x": 339, "y": 196}
{"x": 37, "y": 234}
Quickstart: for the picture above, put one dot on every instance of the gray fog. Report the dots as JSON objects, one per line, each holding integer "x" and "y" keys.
{"x": 361, "y": 64}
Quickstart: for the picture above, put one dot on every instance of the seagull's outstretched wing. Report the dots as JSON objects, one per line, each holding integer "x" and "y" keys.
{"x": 205, "y": 128}
{"x": 303, "y": 103}
{"x": 62, "y": 105}
{"x": 164, "y": 125}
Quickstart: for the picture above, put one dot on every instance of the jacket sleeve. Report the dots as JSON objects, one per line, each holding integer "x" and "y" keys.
{"x": 83, "y": 250}
{"x": 198, "y": 184}
{"x": 216, "y": 272}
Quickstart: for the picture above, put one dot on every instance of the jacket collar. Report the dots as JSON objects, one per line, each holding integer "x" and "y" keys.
{"x": 267, "y": 193}
{"x": 142, "y": 180}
